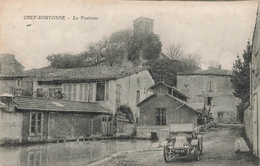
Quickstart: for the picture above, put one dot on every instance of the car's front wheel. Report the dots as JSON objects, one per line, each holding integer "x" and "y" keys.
{"x": 166, "y": 155}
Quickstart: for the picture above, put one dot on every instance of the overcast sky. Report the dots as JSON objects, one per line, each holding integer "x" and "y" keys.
{"x": 218, "y": 31}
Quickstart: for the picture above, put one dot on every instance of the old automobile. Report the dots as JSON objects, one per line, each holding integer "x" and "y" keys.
{"x": 183, "y": 141}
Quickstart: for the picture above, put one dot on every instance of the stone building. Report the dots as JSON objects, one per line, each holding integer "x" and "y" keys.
{"x": 109, "y": 86}
{"x": 143, "y": 25}
{"x": 212, "y": 90}
{"x": 12, "y": 79}
{"x": 27, "y": 119}
{"x": 252, "y": 113}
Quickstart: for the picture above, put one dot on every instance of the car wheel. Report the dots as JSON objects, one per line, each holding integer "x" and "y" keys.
{"x": 166, "y": 155}
{"x": 197, "y": 156}
{"x": 201, "y": 146}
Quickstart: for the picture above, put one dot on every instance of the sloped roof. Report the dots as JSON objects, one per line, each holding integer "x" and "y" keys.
{"x": 95, "y": 72}
{"x": 6, "y": 95}
{"x": 211, "y": 71}
{"x": 40, "y": 104}
{"x": 169, "y": 86}
{"x": 172, "y": 97}
{"x": 198, "y": 106}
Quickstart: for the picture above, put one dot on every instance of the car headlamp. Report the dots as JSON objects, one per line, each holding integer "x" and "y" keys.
{"x": 186, "y": 145}
{"x": 170, "y": 145}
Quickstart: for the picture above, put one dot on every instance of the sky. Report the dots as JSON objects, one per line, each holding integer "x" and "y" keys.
{"x": 217, "y": 31}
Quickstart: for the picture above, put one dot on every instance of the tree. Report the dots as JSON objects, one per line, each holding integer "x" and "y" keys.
{"x": 96, "y": 53}
{"x": 167, "y": 69}
{"x": 114, "y": 51}
{"x": 192, "y": 61}
{"x": 241, "y": 75}
{"x": 66, "y": 61}
{"x": 124, "y": 38}
{"x": 174, "y": 51}
{"x": 144, "y": 47}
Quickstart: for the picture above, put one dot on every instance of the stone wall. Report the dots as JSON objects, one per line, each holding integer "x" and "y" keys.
{"x": 248, "y": 123}
{"x": 146, "y": 131}
{"x": 10, "y": 127}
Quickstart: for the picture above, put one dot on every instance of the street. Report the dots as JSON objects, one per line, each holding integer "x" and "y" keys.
{"x": 218, "y": 149}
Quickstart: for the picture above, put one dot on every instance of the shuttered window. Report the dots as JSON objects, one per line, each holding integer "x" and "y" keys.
{"x": 160, "y": 116}
{"x": 69, "y": 91}
{"x": 81, "y": 92}
{"x": 91, "y": 90}
{"x": 35, "y": 123}
{"x": 74, "y": 92}
{"x": 86, "y": 89}
{"x": 65, "y": 91}
{"x": 118, "y": 93}
{"x": 107, "y": 91}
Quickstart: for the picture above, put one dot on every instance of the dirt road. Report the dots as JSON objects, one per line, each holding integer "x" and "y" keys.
{"x": 218, "y": 150}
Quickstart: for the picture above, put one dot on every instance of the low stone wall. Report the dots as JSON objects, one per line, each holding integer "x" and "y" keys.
{"x": 248, "y": 123}
{"x": 125, "y": 129}
{"x": 146, "y": 131}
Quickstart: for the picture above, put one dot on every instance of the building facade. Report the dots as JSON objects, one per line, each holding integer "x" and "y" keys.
{"x": 12, "y": 79}
{"x": 160, "y": 110}
{"x": 110, "y": 87}
{"x": 253, "y": 113}
{"x": 27, "y": 119}
{"x": 165, "y": 106}
{"x": 212, "y": 90}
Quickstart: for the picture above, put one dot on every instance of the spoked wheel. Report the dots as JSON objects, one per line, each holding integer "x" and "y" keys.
{"x": 197, "y": 156}
{"x": 166, "y": 155}
{"x": 201, "y": 146}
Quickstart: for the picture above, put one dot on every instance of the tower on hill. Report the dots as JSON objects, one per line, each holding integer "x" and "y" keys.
{"x": 143, "y": 25}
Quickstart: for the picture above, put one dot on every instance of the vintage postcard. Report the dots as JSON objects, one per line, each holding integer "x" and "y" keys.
{"x": 129, "y": 83}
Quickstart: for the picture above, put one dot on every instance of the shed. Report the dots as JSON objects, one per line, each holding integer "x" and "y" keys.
{"x": 160, "y": 110}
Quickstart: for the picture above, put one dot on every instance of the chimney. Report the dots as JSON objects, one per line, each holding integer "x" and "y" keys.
{"x": 219, "y": 67}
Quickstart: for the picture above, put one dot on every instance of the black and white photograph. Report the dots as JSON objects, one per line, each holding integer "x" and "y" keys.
{"x": 129, "y": 83}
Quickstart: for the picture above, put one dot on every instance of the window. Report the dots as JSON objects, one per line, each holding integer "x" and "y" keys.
{"x": 86, "y": 89}
{"x": 36, "y": 123}
{"x": 137, "y": 97}
{"x": 209, "y": 86}
{"x": 118, "y": 93}
{"x": 18, "y": 82}
{"x": 55, "y": 93}
{"x": 65, "y": 91}
{"x": 100, "y": 95}
{"x": 209, "y": 99}
{"x": 138, "y": 80}
{"x": 91, "y": 90}
{"x": 69, "y": 91}
{"x": 39, "y": 92}
{"x": 107, "y": 91}
{"x": 74, "y": 92}
{"x": 81, "y": 92}
{"x": 160, "y": 116}
{"x": 34, "y": 158}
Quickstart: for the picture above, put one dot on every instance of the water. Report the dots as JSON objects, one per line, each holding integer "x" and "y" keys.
{"x": 68, "y": 154}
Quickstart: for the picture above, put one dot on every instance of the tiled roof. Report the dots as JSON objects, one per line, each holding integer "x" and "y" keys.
{"x": 95, "y": 72}
{"x": 172, "y": 97}
{"x": 211, "y": 71}
{"x": 169, "y": 86}
{"x": 40, "y": 104}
